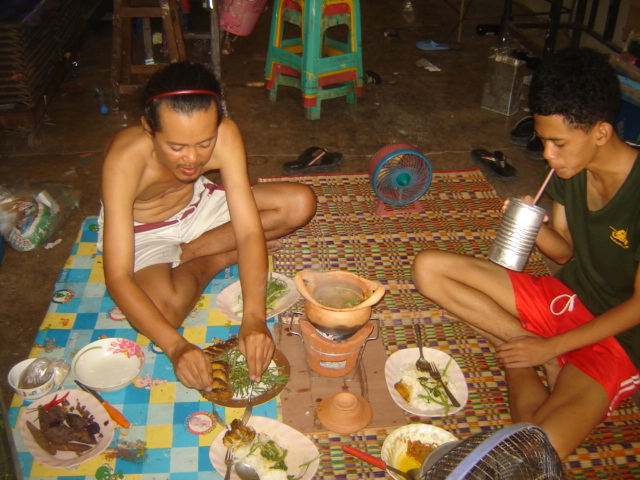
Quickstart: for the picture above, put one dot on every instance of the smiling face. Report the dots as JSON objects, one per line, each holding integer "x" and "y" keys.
{"x": 185, "y": 142}
{"x": 567, "y": 150}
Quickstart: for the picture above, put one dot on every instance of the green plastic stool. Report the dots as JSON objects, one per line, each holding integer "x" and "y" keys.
{"x": 320, "y": 66}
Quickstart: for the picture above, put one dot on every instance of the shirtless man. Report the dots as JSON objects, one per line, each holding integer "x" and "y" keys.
{"x": 167, "y": 230}
{"x": 583, "y": 324}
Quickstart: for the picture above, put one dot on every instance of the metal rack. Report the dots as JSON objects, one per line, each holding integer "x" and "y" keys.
{"x": 578, "y": 19}
{"x": 37, "y": 45}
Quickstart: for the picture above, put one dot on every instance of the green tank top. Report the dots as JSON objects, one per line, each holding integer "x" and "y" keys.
{"x": 607, "y": 247}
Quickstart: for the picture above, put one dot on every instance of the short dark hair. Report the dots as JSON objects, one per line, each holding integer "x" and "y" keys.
{"x": 175, "y": 77}
{"x": 577, "y": 83}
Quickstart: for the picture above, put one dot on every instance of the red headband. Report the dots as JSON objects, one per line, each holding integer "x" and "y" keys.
{"x": 182, "y": 92}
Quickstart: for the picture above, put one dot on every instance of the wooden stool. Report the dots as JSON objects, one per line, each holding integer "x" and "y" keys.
{"x": 122, "y": 67}
{"x": 322, "y": 67}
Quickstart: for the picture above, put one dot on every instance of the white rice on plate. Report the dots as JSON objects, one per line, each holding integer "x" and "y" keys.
{"x": 409, "y": 375}
{"x": 263, "y": 467}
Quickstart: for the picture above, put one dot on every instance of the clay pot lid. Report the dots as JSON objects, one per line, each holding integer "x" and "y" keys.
{"x": 344, "y": 412}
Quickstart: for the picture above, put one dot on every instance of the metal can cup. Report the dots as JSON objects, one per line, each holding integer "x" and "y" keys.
{"x": 516, "y": 236}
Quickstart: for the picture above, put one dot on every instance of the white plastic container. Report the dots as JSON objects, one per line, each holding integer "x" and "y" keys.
{"x": 31, "y": 393}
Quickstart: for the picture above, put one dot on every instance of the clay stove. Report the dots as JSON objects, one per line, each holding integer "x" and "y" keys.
{"x": 337, "y": 322}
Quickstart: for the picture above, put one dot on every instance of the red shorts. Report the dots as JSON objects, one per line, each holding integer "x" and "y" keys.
{"x": 547, "y": 307}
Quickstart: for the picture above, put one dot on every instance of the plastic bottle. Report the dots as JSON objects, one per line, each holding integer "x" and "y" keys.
{"x": 101, "y": 100}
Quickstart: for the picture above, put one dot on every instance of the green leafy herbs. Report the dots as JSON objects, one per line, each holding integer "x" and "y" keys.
{"x": 271, "y": 451}
{"x": 434, "y": 392}
{"x": 306, "y": 466}
{"x": 276, "y": 289}
{"x": 239, "y": 375}
{"x": 268, "y": 449}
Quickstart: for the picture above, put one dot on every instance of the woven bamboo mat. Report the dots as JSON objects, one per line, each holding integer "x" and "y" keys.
{"x": 461, "y": 212}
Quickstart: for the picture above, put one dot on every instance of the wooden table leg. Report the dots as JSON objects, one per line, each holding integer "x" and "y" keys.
{"x": 215, "y": 40}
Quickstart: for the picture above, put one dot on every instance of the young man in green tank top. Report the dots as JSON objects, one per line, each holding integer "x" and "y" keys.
{"x": 582, "y": 325}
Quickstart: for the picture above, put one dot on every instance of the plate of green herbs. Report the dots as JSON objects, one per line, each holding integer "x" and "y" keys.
{"x": 427, "y": 397}
{"x": 274, "y": 379}
{"x": 278, "y": 451}
{"x": 282, "y": 294}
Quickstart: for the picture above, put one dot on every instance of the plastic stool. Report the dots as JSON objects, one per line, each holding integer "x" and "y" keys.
{"x": 320, "y": 66}
{"x": 122, "y": 67}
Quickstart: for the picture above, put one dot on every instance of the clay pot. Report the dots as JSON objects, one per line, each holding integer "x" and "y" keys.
{"x": 344, "y": 412}
{"x": 337, "y": 321}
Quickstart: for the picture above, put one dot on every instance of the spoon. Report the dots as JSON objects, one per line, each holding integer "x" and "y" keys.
{"x": 246, "y": 472}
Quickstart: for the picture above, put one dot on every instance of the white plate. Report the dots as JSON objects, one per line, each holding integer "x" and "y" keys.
{"x": 108, "y": 364}
{"x": 66, "y": 459}
{"x": 395, "y": 445}
{"x": 300, "y": 448}
{"x": 456, "y": 381}
{"x": 229, "y": 300}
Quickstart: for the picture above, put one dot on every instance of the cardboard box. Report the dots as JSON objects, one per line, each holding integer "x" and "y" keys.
{"x": 628, "y": 122}
{"x": 633, "y": 18}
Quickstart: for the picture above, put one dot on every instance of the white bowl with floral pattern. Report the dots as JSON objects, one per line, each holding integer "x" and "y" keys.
{"x": 108, "y": 364}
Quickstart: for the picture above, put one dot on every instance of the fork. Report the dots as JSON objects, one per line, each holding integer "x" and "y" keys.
{"x": 436, "y": 375}
{"x": 249, "y": 408}
{"x": 228, "y": 460}
{"x": 421, "y": 363}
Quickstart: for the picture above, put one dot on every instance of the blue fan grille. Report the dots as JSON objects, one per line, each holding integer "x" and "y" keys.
{"x": 401, "y": 177}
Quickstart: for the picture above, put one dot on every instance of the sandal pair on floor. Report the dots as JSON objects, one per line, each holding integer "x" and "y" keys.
{"x": 431, "y": 45}
{"x": 524, "y": 135}
{"x": 313, "y": 160}
{"x": 496, "y": 161}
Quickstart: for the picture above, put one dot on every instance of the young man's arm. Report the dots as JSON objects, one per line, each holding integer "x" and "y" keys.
{"x": 255, "y": 340}
{"x": 530, "y": 351}
{"x": 554, "y": 240}
{"x": 121, "y": 175}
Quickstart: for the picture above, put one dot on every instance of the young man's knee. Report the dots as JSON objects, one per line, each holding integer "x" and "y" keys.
{"x": 424, "y": 269}
{"x": 428, "y": 262}
{"x": 303, "y": 203}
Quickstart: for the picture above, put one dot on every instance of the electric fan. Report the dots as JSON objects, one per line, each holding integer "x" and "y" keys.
{"x": 400, "y": 175}
{"x": 518, "y": 452}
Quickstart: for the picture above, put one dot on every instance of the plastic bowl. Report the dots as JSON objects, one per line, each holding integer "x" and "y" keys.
{"x": 29, "y": 393}
{"x": 109, "y": 364}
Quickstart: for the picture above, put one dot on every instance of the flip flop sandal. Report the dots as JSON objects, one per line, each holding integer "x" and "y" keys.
{"x": 313, "y": 160}
{"x": 535, "y": 149}
{"x": 431, "y": 45}
{"x": 496, "y": 161}
{"x": 522, "y": 132}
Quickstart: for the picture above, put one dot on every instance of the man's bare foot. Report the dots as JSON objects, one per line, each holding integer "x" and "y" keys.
{"x": 273, "y": 246}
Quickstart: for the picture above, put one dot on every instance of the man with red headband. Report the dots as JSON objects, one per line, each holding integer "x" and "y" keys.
{"x": 166, "y": 230}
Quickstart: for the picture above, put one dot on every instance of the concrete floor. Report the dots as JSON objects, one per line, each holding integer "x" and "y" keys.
{"x": 439, "y": 112}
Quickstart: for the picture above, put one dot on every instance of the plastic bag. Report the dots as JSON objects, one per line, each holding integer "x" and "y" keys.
{"x": 30, "y": 214}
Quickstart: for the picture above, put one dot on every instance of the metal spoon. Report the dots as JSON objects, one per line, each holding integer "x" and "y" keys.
{"x": 246, "y": 472}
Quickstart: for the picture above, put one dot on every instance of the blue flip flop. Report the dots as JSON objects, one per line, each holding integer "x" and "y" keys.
{"x": 431, "y": 45}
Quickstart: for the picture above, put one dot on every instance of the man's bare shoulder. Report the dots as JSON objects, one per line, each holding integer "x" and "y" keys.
{"x": 229, "y": 147}
{"x": 129, "y": 145}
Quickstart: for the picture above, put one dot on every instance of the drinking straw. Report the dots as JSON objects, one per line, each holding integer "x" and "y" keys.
{"x": 543, "y": 186}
